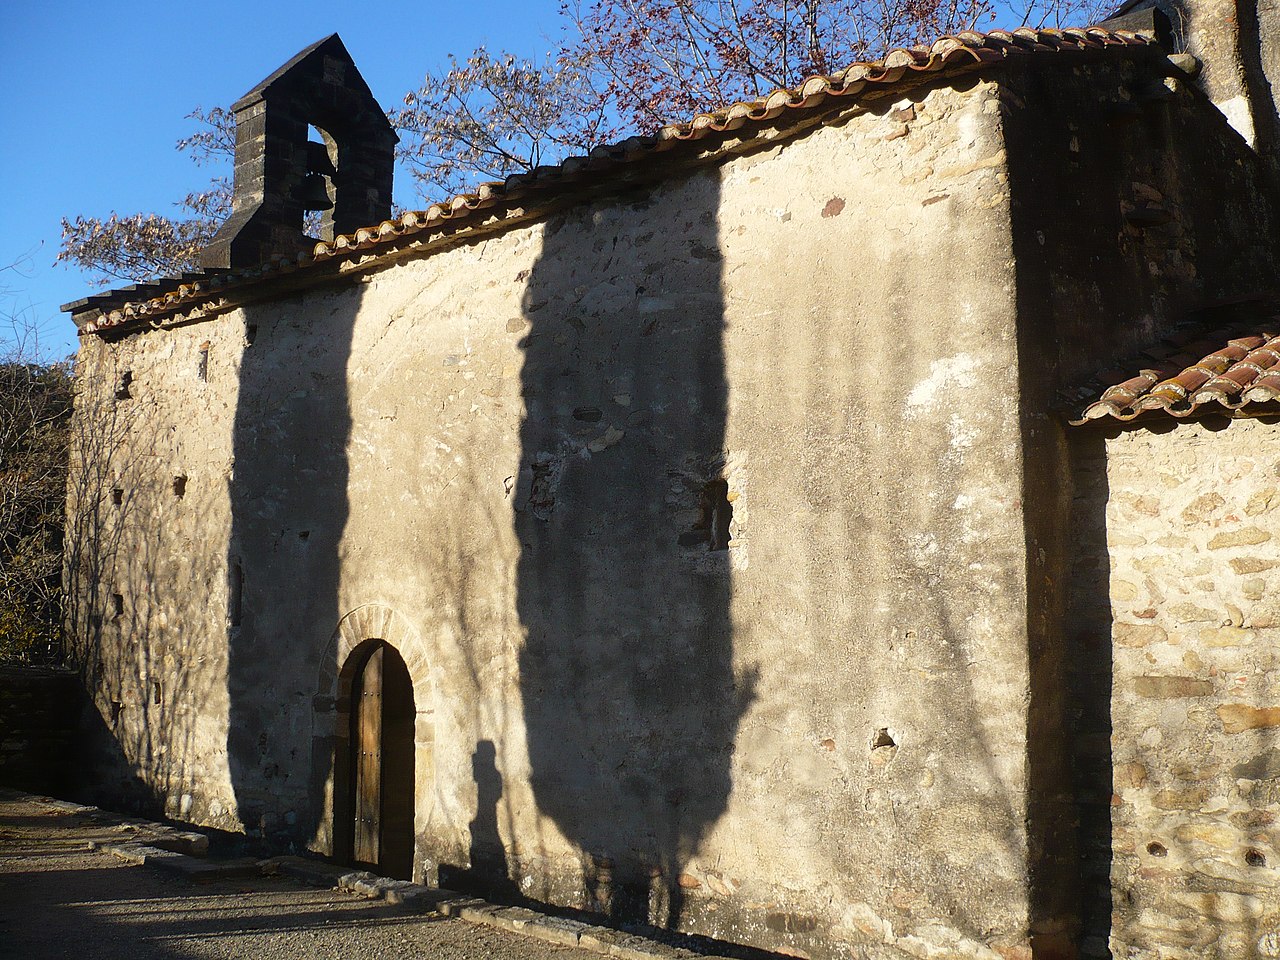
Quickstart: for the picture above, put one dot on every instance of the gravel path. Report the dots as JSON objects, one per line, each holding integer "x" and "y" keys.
{"x": 60, "y": 899}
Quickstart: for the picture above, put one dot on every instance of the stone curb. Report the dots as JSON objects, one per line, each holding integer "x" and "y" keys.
{"x": 147, "y": 855}
{"x": 569, "y": 933}
{"x": 317, "y": 873}
{"x": 558, "y": 930}
{"x": 134, "y": 853}
{"x": 198, "y": 869}
{"x": 158, "y": 835}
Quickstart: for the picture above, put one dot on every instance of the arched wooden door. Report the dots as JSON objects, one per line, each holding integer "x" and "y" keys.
{"x": 382, "y": 776}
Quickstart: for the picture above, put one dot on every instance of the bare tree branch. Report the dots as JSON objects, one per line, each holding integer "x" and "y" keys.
{"x": 35, "y": 410}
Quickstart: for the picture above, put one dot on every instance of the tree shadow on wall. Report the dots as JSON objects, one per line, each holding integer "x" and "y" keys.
{"x": 136, "y": 750}
{"x": 289, "y": 508}
{"x": 630, "y": 697}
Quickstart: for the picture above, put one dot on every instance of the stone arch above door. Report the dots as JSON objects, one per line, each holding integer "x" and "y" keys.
{"x": 374, "y": 621}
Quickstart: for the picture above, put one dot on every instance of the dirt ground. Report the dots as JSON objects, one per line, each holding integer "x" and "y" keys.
{"x": 61, "y": 899}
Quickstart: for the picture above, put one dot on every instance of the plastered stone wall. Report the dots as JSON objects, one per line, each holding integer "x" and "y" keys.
{"x": 147, "y": 530}
{"x": 1191, "y": 519}
{"x": 1237, "y": 46}
{"x": 507, "y": 460}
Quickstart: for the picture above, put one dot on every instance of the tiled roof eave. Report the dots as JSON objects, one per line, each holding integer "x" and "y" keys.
{"x": 1247, "y": 410}
{"x": 1238, "y": 378}
{"x": 522, "y": 197}
{"x": 535, "y": 196}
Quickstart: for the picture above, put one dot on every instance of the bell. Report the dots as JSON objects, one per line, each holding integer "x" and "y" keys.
{"x": 314, "y": 192}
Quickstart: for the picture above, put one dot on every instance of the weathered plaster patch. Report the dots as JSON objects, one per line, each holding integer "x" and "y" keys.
{"x": 959, "y": 371}
{"x": 962, "y": 433}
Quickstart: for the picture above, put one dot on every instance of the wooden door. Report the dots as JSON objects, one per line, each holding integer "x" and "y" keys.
{"x": 367, "y": 750}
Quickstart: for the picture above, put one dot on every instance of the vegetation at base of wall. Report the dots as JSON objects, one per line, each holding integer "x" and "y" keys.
{"x": 35, "y": 422}
{"x": 620, "y": 67}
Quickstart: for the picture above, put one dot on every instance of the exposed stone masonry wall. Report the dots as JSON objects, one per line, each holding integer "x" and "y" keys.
{"x": 1192, "y": 523}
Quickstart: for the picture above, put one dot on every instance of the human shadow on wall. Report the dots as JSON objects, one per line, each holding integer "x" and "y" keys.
{"x": 487, "y": 860}
{"x": 289, "y": 507}
{"x": 631, "y": 703}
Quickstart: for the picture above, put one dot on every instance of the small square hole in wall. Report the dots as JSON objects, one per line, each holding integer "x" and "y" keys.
{"x": 123, "y": 385}
{"x": 117, "y": 496}
{"x": 202, "y": 365}
{"x": 715, "y": 515}
{"x": 180, "y": 486}
{"x": 117, "y": 605}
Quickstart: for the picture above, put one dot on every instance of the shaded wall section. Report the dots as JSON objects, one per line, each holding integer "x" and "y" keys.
{"x": 631, "y": 702}
{"x": 1089, "y": 673}
{"x": 1118, "y": 242}
{"x": 1134, "y": 203}
{"x": 288, "y": 513}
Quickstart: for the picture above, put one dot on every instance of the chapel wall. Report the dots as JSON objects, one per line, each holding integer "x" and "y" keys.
{"x": 147, "y": 603}
{"x": 519, "y": 452}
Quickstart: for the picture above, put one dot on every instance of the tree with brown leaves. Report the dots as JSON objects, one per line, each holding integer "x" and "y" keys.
{"x": 139, "y": 246}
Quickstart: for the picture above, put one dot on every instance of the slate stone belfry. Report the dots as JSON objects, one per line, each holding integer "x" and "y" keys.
{"x": 279, "y": 174}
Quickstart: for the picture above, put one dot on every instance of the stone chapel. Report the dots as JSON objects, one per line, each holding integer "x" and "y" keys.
{"x": 844, "y": 524}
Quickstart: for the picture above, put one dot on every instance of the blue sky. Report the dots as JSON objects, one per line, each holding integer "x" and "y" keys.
{"x": 93, "y": 97}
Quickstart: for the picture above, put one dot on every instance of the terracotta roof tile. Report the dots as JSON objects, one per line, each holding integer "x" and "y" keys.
{"x": 896, "y": 71}
{"x": 1240, "y": 374}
